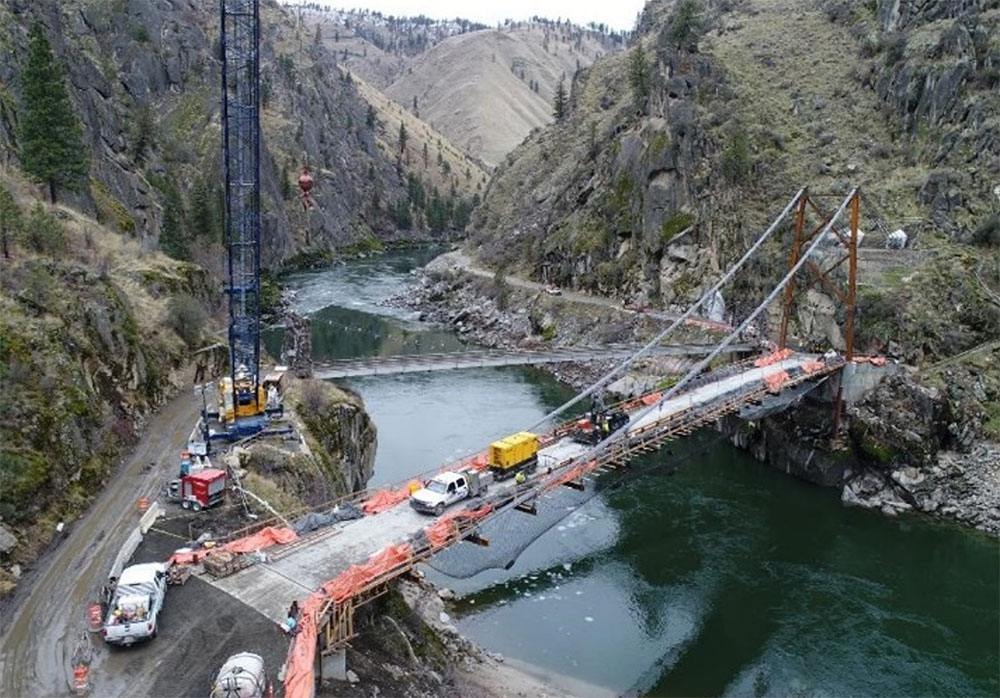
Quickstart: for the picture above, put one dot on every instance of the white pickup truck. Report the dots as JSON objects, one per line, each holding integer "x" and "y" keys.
{"x": 135, "y": 604}
{"x": 446, "y": 489}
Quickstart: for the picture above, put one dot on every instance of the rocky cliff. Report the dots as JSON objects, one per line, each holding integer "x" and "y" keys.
{"x": 143, "y": 76}
{"x": 935, "y": 66}
{"x": 95, "y": 334}
{"x": 337, "y": 456}
{"x": 675, "y": 154}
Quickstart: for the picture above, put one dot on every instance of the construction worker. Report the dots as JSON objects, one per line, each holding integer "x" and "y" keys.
{"x": 520, "y": 478}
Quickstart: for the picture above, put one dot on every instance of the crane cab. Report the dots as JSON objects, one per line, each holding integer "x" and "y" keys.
{"x": 237, "y": 399}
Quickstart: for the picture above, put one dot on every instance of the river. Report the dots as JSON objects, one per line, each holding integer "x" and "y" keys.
{"x": 709, "y": 574}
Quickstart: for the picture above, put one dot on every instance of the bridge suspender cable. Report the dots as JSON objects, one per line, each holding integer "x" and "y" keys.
{"x": 620, "y": 368}
{"x": 602, "y": 447}
{"x": 697, "y": 368}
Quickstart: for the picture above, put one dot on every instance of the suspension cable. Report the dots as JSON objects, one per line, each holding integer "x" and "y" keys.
{"x": 604, "y": 445}
{"x": 624, "y": 365}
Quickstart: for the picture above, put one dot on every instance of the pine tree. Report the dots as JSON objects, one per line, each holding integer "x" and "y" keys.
{"x": 52, "y": 146}
{"x": 201, "y": 221}
{"x": 172, "y": 239}
{"x": 10, "y": 220}
{"x": 402, "y": 136}
{"x": 640, "y": 74}
{"x": 371, "y": 119}
{"x": 559, "y": 105}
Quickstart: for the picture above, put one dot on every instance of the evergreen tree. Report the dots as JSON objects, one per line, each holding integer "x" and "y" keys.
{"x": 10, "y": 220}
{"x": 52, "y": 146}
{"x": 559, "y": 105}
{"x": 286, "y": 185}
{"x": 371, "y": 119}
{"x": 202, "y": 219}
{"x": 640, "y": 74}
{"x": 415, "y": 191}
{"x": 402, "y": 136}
{"x": 172, "y": 238}
{"x": 143, "y": 131}
{"x": 685, "y": 24}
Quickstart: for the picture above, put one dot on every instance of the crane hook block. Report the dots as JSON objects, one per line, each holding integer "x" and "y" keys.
{"x": 306, "y": 185}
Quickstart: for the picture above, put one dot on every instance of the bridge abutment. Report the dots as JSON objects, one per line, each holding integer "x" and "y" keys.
{"x": 333, "y": 665}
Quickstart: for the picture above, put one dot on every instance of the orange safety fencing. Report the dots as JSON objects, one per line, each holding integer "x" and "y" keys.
{"x": 263, "y": 538}
{"x": 441, "y": 531}
{"x": 775, "y": 381}
{"x": 773, "y": 358}
{"x": 813, "y": 366}
{"x": 302, "y": 655}
{"x": 480, "y": 461}
{"x": 356, "y": 577}
{"x": 651, "y": 399}
{"x": 572, "y": 474}
{"x": 384, "y": 499}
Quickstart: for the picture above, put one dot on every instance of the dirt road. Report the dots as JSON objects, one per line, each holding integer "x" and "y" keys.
{"x": 457, "y": 259}
{"x": 38, "y": 642}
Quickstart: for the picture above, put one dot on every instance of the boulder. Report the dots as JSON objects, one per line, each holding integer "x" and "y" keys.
{"x": 7, "y": 539}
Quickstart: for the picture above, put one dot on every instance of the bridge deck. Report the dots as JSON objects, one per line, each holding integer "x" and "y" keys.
{"x": 448, "y": 361}
{"x": 302, "y": 567}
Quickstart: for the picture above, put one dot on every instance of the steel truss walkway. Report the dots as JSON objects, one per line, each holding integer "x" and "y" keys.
{"x": 485, "y": 358}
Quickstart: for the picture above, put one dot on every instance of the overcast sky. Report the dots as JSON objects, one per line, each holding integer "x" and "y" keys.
{"x": 617, "y": 14}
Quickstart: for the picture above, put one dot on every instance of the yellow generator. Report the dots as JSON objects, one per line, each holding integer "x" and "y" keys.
{"x": 513, "y": 454}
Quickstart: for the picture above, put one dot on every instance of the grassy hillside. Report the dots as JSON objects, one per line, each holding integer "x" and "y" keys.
{"x": 717, "y": 114}
{"x": 445, "y": 167}
{"x": 95, "y": 333}
{"x": 486, "y": 90}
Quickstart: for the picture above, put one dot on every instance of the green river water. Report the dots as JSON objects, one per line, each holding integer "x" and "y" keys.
{"x": 710, "y": 574}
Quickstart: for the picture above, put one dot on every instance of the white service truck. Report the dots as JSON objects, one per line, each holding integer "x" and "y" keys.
{"x": 447, "y": 488}
{"x": 135, "y": 604}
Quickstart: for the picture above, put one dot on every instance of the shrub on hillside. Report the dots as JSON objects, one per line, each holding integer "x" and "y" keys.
{"x": 43, "y": 233}
{"x": 187, "y": 318}
{"x": 988, "y": 232}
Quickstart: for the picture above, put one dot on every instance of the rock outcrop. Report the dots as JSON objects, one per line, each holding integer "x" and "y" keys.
{"x": 936, "y": 68}
{"x": 335, "y": 456}
{"x": 94, "y": 336}
{"x": 908, "y": 446}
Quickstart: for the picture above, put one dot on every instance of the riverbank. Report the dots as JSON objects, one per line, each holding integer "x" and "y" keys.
{"x": 919, "y": 443}
{"x": 512, "y": 313}
{"x": 407, "y": 644}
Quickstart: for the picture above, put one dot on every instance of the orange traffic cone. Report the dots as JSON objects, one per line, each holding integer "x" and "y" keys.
{"x": 143, "y": 503}
{"x": 80, "y": 680}
{"x": 94, "y": 617}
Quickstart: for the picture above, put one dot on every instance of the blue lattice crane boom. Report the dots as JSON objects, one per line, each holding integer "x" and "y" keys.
{"x": 240, "y": 44}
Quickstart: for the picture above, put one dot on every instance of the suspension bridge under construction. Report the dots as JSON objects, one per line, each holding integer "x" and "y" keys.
{"x": 372, "y": 538}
